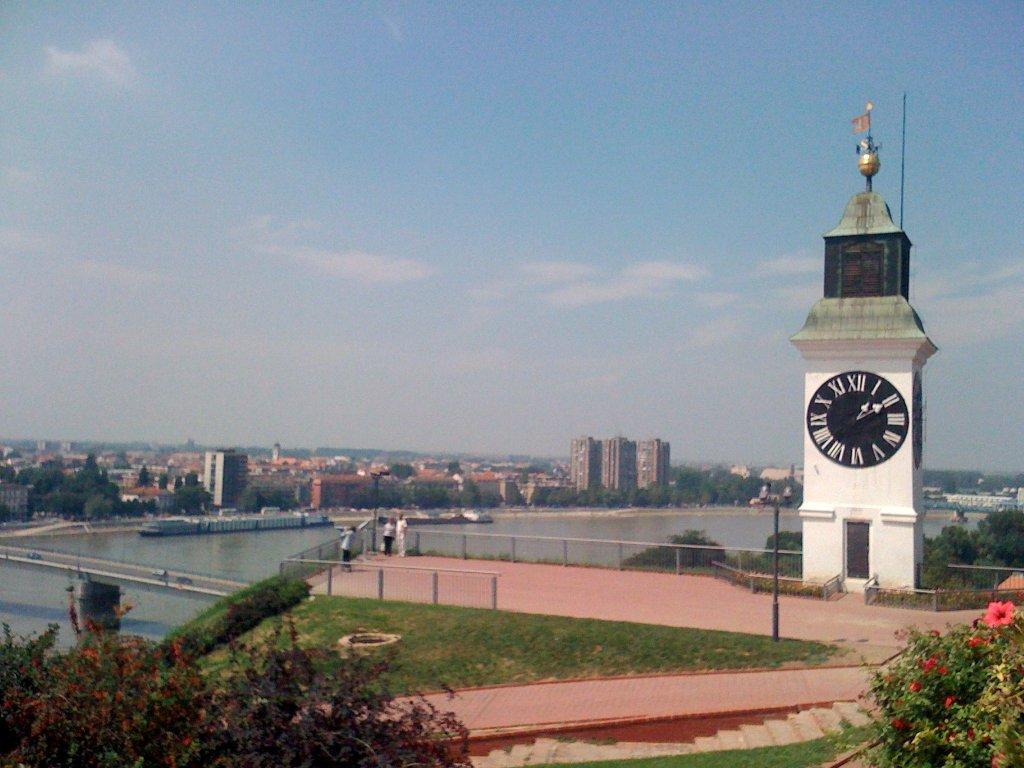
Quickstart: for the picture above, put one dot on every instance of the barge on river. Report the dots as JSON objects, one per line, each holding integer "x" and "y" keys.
{"x": 197, "y": 526}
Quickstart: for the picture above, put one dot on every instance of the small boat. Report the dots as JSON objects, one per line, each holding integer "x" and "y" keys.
{"x": 475, "y": 516}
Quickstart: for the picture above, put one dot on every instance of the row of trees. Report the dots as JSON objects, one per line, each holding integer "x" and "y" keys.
{"x": 997, "y": 541}
{"x": 86, "y": 494}
{"x": 688, "y": 486}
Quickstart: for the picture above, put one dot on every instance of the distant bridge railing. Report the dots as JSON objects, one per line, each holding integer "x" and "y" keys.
{"x": 601, "y": 553}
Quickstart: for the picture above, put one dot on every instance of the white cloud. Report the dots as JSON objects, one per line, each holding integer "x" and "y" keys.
{"x": 662, "y": 271}
{"x": 353, "y": 264}
{"x": 112, "y": 272}
{"x": 715, "y": 299}
{"x": 634, "y": 281}
{"x": 968, "y": 306}
{"x": 17, "y": 241}
{"x": 17, "y": 177}
{"x": 556, "y": 271}
{"x": 791, "y": 264}
{"x": 101, "y": 60}
{"x": 364, "y": 267}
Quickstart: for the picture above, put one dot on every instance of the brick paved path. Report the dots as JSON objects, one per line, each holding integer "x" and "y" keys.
{"x": 694, "y": 601}
{"x": 658, "y": 696}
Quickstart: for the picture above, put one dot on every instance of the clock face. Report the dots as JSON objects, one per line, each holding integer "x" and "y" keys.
{"x": 858, "y": 419}
{"x": 918, "y": 416}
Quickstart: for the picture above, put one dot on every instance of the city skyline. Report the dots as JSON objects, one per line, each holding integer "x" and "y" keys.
{"x": 487, "y": 231}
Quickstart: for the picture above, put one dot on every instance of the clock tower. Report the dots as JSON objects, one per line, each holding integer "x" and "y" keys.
{"x": 864, "y": 347}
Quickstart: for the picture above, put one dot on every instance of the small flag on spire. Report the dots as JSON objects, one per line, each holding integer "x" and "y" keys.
{"x": 862, "y": 123}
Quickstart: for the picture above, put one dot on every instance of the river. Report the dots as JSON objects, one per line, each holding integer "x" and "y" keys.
{"x": 30, "y": 599}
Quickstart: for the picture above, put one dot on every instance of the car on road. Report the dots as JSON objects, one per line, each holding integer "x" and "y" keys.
{"x": 183, "y": 580}
{"x": 34, "y": 556}
{"x": 161, "y": 574}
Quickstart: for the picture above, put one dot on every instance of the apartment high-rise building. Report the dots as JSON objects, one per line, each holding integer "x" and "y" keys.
{"x": 585, "y": 463}
{"x": 652, "y": 463}
{"x": 618, "y": 464}
{"x": 224, "y": 475}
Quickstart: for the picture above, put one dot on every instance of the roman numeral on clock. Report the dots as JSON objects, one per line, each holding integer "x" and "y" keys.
{"x": 837, "y": 386}
{"x": 819, "y": 419}
{"x": 836, "y": 451}
{"x": 858, "y": 382}
{"x": 891, "y": 400}
{"x": 857, "y": 457}
{"x": 896, "y": 419}
{"x": 822, "y": 436}
{"x": 891, "y": 438}
{"x": 878, "y": 452}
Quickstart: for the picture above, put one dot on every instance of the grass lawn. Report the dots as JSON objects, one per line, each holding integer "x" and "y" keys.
{"x": 466, "y": 647}
{"x": 808, "y": 754}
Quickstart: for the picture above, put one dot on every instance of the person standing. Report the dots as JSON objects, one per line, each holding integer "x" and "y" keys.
{"x": 346, "y": 548}
{"x": 400, "y": 527}
{"x": 389, "y": 535}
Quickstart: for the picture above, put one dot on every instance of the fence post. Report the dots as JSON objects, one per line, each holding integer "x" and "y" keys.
{"x": 434, "y": 586}
{"x": 565, "y": 552}
{"x": 330, "y": 579}
{"x": 494, "y": 592}
{"x": 380, "y": 583}
{"x": 679, "y": 561}
{"x": 418, "y": 550}
{"x": 620, "y": 555}
{"x": 463, "y": 546}
{"x": 513, "y": 549}
{"x": 935, "y": 601}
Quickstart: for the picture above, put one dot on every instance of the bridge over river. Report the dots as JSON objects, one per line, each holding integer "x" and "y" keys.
{"x": 98, "y": 581}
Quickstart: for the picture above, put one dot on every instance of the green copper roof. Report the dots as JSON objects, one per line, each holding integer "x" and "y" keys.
{"x": 878, "y": 317}
{"x": 866, "y": 214}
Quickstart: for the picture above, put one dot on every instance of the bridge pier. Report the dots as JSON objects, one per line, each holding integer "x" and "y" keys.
{"x": 99, "y": 603}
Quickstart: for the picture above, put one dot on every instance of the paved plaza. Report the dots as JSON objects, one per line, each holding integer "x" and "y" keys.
{"x": 693, "y": 601}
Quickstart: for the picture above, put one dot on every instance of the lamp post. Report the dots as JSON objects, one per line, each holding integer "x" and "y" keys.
{"x": 376, "y": 474}
{"x": 767, "y": 497}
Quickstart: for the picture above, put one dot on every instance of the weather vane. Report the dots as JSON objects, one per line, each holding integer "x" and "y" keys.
{"x": 867, "y": 149}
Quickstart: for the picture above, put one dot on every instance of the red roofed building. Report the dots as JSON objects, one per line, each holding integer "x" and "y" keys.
{"x": 337, "y": 490}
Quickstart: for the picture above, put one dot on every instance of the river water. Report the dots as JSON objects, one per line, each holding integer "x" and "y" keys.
{"x": 30, "y": 599}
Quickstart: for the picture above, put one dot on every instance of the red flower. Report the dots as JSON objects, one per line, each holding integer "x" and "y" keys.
{"x": 915, "y": 686}
{"x": 949, "y": 701}
{"x": 943, "y": 670}
{"x": 975, "y": 641}
{"x": 929, "y": 664}
{"x": 970, "y": 734}
{"x": 999, "y": 614}
{"x": 900, "y": 724}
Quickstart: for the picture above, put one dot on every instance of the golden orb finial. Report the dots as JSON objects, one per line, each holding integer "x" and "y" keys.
{"x": 868, "y": 164}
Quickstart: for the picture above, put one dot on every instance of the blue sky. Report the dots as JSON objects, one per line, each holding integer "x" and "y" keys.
{"x": 491, "y": 227}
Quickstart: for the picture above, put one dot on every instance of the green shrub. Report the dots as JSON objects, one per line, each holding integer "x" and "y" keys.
{"x": 664, "y": 558}
{"x": 234, "y": 615}
{"x": 955, "y": 700}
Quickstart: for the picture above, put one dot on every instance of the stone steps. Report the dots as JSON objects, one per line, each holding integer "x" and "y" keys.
{"x": 805, "y": 725}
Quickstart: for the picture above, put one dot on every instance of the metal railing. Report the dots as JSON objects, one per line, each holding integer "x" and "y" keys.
{"x": 788, "y": 585}
{"x": 988, "y": 576}
{"x": 447, "y": 586}
{"x": 601, "y": 553}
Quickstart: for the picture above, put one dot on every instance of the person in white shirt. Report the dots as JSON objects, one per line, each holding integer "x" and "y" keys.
{"x": 346, "y": 547}
{"x": 400, "y": 527}
{"x": 389, "y": 535}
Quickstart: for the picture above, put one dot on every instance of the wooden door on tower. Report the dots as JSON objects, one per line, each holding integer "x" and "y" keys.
{"x": 857, "y": 554}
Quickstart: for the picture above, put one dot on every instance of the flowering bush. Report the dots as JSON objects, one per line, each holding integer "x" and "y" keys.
{"x": 117, "y": 701}
{"x": 955, "y": 700}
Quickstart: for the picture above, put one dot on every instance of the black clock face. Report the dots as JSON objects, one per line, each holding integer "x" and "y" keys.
{"x": 918, "y": 416}
{"x": 858, "y": 419}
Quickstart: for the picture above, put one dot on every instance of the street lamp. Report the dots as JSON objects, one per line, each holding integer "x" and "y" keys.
{"x": 376, "y": 474}
{"x": 767, "y": 497}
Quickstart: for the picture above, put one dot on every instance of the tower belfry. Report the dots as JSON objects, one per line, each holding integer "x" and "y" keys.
{"x": 864, "y": 347}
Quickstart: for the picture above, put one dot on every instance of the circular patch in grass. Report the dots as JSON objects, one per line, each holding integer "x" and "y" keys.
{"x": 363, "y": 640}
